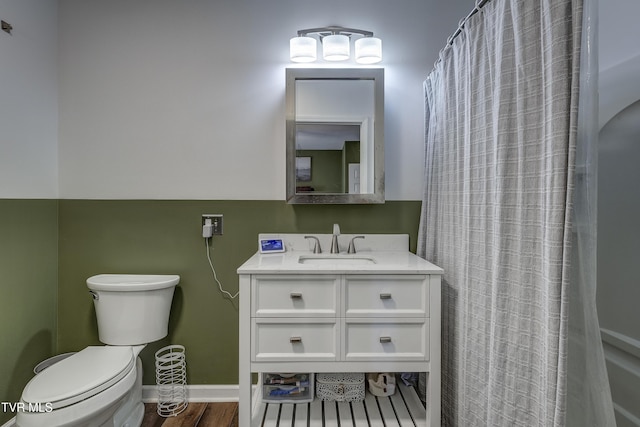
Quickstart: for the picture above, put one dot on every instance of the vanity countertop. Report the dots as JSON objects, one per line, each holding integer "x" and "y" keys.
{"x": 377, "y": 254}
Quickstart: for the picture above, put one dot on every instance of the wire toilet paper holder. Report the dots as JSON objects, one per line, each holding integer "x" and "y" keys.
{"x": 171, "y": 380}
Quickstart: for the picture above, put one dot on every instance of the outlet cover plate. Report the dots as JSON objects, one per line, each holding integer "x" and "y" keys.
{"x": 216, "y": 222}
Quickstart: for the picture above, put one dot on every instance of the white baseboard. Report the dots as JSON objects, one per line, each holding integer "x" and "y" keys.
{"x": 197, "y": 393}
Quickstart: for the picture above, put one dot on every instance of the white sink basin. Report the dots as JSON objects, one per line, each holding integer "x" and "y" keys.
{"x": 335, "y": 260}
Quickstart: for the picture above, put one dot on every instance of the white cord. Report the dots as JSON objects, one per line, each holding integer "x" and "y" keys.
{"x": 215, "y": 276}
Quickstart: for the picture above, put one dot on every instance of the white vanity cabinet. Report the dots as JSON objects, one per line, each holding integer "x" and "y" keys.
{"x": 377, "y": 310}
{"x": 339, "y": 320}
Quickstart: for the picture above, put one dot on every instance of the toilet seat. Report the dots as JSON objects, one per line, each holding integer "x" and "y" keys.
{"x": 80, "y": 376}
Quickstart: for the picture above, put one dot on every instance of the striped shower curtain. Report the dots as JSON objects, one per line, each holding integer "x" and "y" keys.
{"x": 501, "y": 137}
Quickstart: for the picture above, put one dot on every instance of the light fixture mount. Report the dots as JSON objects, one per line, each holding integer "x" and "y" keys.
{"x": 335, "y": 45}
{"x": 333, "y": 30}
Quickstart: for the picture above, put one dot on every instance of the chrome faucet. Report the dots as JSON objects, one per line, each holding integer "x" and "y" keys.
{"x": 335, "y": 249}
{"x": 352, "y": 246}
{"x": 316, "y": 245}
{"x": 334, "y": 245}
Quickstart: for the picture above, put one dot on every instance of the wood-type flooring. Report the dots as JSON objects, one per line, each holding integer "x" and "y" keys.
{"x": 197, "y": 414}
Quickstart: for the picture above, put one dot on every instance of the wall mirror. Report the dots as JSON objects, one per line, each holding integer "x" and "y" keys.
{"x": 335, "y": 135}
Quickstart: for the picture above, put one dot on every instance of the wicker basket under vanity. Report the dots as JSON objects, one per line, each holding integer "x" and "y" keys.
{"x": 340, "y": 387}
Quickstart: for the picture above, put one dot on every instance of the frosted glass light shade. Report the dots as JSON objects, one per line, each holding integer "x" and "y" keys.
{"x": 303, "y": 49}
{"x": 336, "y": 47}
{"x": 368, "y": 50}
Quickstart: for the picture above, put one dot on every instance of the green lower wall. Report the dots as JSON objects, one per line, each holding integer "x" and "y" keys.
{"x": 134, "y": 236}
{"x": 28, "y": 284}
{"x": 48, "y": 248}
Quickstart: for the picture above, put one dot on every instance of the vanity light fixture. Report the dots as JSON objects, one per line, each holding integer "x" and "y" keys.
{"x": 336, "y": 45}
{"x": 303, "y": 49}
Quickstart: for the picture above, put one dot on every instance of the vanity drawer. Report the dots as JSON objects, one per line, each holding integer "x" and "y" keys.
{"x": 386, "y": 296}
{"x": 392, "y": 339}
{"x": 295, "y": 296}
{"x": 309, "y": 339}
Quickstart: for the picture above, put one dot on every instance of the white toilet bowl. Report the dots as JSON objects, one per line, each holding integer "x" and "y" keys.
{"x": 89, "y": 389}
{"x": 102, "y": 385}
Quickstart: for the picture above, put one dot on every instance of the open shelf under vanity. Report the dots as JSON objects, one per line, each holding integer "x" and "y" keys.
{"x": 402, "y": 409}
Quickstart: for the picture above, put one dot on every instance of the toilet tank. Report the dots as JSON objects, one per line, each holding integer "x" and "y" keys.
{"x": 132, "y": 309}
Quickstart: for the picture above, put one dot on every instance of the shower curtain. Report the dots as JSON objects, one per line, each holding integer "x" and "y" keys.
{"x": 497, "y": 214}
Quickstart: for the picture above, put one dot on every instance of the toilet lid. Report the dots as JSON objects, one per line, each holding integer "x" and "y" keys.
{"x": 80, "y": 376}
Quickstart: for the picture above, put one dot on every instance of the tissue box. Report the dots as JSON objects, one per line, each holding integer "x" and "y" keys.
{"x": 340, "y": 387}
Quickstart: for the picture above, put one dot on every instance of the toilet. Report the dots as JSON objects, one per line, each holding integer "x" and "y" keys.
{"x": 102, "y": 385}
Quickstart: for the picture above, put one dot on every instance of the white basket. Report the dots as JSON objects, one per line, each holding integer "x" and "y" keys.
{"x": 171, "y": 380}
{"x": 340, "y": 387}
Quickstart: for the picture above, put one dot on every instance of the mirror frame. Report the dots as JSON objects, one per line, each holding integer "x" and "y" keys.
{"x": 375, "y": 74}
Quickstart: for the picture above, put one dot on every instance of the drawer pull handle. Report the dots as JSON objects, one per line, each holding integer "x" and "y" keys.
{"x": 385, "y": 296}
{"x": 294, "y": 340}
{"x": 384, "y": 340}
{"x": 295, "y": 295}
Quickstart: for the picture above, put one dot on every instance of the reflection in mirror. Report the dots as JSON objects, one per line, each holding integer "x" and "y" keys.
{"x": 335, "y": 151}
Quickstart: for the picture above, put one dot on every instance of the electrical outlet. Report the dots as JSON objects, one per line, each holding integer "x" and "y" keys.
{"x": 216, "y": 223}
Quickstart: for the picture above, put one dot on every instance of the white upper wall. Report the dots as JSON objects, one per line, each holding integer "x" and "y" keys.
{"x": 619, "y": 32}
{"x": 29, "y": 100}
{"x": 619, "y": 56}
{"x": 165, "y": 99}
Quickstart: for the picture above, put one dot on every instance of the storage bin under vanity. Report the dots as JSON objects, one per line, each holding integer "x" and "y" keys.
{"x": 341, "y": 387}
{"x": 287, "y": 388}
